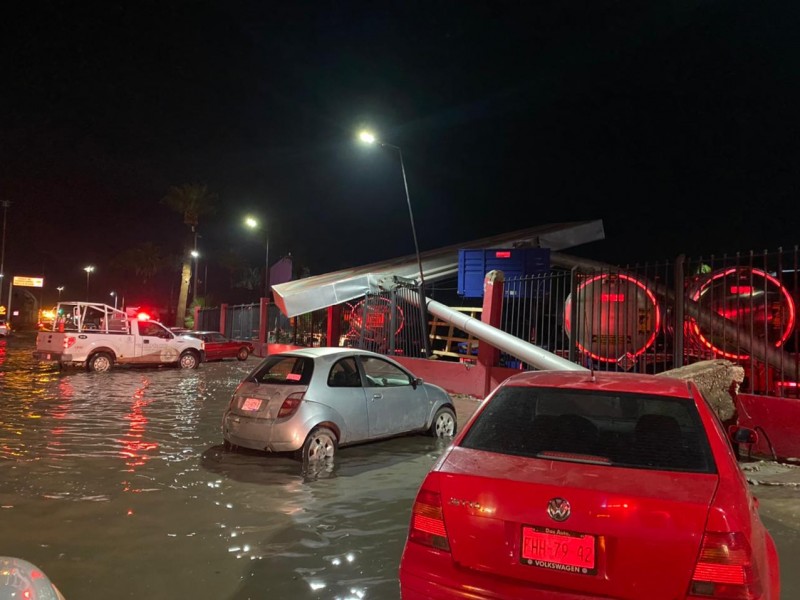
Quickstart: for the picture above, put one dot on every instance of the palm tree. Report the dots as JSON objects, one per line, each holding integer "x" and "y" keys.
{"x": 192, "y": 201}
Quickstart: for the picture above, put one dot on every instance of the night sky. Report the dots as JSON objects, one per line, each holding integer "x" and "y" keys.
{"x": 674, "y": 122}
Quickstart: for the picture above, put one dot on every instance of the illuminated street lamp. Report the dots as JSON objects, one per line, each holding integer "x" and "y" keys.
{"x": 369, "y": 138}
{"x": 253, "y": 223}
{"x": 114, "y": 295}
{"x": 60, "y": 289}
{"x": 88, "y": 270}
{"x": 5, "y": 204}
{"x": 195, "y": 255}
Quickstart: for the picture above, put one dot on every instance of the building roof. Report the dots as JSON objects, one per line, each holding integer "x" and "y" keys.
{"x": 320, "y": 291}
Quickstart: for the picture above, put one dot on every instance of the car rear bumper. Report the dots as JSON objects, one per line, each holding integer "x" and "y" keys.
{"x": 256, "y": 434}
{"x": 428, "y": 574}
{"x": 52, "y": 356}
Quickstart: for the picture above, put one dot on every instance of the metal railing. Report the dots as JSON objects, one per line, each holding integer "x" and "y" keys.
{"x": 654, "y": 317}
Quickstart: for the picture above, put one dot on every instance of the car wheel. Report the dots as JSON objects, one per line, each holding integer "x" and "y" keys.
{"x": 444, "y": 423}
{"x": 100, "y": 362}
{"x": 321, "y": 444}
{"x": 242, "y": 354}
{"x": 189, "y": 360}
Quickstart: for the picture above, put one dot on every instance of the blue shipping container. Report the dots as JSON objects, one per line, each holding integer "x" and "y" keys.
{"x": 514, "y": 263}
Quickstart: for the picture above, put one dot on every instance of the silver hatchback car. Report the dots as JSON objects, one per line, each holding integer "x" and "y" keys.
{"x": 312, "y": 401}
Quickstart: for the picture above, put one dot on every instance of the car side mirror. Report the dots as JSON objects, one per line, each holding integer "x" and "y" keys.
{"x": 742, "y": 435}
{"x": 416, "y": 381}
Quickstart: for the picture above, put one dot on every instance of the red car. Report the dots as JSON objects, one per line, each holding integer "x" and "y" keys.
{"x": 219, "y": 347}
{"x": 570, "y": 485}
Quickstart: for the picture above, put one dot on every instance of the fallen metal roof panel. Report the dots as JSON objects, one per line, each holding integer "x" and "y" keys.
{"x": 320, "y": 291}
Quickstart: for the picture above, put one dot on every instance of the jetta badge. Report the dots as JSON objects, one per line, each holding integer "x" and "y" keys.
{"x": 558, "y": 509}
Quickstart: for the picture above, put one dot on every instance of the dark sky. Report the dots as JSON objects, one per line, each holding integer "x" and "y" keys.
{"x": 674, "y": 122}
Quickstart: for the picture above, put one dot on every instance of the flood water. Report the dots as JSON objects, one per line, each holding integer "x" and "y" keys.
{"x": 117, "y": 486}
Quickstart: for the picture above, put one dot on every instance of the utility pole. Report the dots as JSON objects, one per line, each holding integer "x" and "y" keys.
{"x": 5, "y": 204}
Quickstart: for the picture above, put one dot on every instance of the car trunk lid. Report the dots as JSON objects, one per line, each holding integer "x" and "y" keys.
{"x": 629, "y": 533}
{"x": 263, "y": 400}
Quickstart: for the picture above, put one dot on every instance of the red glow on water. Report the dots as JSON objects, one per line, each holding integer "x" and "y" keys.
{"x": 136, "y": 451}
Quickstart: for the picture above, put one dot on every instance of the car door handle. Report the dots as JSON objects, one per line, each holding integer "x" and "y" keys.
{"x": 146, "y": 341}
{"x": 377, "y": 396}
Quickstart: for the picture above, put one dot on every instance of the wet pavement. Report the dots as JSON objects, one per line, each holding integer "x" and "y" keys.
{"x": 117, "y": 486}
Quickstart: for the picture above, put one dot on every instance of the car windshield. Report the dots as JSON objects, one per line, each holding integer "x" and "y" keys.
{"x": 285, "y": 370}
{"x": 597, "y": 427}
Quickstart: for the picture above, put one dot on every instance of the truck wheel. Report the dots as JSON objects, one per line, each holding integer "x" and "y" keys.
{"x": 444, "y": 423}
{"x": 320, "y": 444}
{"x": 242, "y": 354}
{"x": 189, "y": 360}
{"x": 100, "y": 362}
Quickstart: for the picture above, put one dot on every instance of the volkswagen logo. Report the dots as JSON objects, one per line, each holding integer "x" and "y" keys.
{"x": 558, "y": 509}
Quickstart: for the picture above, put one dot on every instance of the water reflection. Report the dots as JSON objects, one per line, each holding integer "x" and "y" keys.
{"x": 107, "y": 476}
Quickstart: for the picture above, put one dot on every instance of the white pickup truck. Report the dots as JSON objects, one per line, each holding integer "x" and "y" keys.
{"x": 99, "y": 336}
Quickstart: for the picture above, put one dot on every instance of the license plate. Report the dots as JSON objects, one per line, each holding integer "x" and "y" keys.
{"x": 558, "y": 550}
{"x": 251, "y": 404}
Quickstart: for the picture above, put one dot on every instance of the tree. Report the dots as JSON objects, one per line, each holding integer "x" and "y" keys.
{"x": 192, "y": 201}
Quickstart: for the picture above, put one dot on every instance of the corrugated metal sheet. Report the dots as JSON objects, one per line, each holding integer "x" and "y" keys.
{"x": 312, "y": 293}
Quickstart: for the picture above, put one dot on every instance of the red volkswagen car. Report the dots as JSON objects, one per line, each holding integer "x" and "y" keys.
{"x": 219, "y": 347}
{"x": 572, "y": 485}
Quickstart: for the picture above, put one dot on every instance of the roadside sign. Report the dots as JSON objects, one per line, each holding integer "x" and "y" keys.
{"x": 28, "y": 281}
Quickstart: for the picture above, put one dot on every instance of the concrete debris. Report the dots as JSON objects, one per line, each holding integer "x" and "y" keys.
{"x": 716, "y": 380}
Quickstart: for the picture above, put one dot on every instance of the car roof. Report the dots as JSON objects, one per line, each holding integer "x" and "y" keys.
{"x": 639, "y": 383}
{"x": 319, "y": 352}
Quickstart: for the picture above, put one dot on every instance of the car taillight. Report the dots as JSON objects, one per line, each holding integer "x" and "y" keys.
{"x": 427, "y": 521}
{"x": 290, "y": 405}
{"x": 69, "y": 341}
{"x": 725, "y": 568}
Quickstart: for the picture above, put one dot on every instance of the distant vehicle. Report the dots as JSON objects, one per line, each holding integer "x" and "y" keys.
{"x": 99, "y": 336}
{"x": 576, "y": 485}
{"x": 5, "y": 328}
{"x": 219, "y": 347}
{"x": 312, "y": 401}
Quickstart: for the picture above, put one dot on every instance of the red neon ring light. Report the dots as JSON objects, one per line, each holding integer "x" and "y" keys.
{"x": 650, "y": 296}
{"x": 719, "y": 351}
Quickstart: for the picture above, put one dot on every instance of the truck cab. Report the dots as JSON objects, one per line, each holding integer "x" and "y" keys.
{"x": 98, "y": 337}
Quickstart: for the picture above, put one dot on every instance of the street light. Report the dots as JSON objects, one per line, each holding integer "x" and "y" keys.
{"x": 88, "y": 270}
{"x": 60, "y": 289}
{"x": 195, "y": 255}
{"x": 369, "y": 138}
{"x": 114, "y": 295}
{"x": 5, "y": 204}
{"x": 253, "y": 223}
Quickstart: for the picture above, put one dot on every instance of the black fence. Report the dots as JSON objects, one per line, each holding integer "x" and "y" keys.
{"x": 654, "y": 317}
{"x": 389, "y": 323}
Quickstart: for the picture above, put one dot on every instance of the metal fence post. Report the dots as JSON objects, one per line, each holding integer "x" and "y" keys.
{"x": 392, "y": 320}
{"x": 680, "y": 298}
{"x": 573, "y": 312}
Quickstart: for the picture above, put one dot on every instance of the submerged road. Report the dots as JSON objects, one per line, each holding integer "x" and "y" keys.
{"x": 117, "y": 486}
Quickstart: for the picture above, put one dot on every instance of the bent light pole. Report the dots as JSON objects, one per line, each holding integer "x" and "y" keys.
{"x": 369, "y": 138}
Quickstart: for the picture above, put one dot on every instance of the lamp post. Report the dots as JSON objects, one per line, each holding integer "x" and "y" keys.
{"x": 88, "y": 270}
{"x": 114, "y": 295}
{"x": 195, "y": 256}
{"x": 369, "y": 138}
{"x": 253, "y": 223}
{"x": 60, "y": 289}
{"x": 5, "y": 204}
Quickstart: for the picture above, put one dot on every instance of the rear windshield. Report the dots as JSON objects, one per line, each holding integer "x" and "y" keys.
{"x": 285, "y": 370}
{"x": 628, "y": 430}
